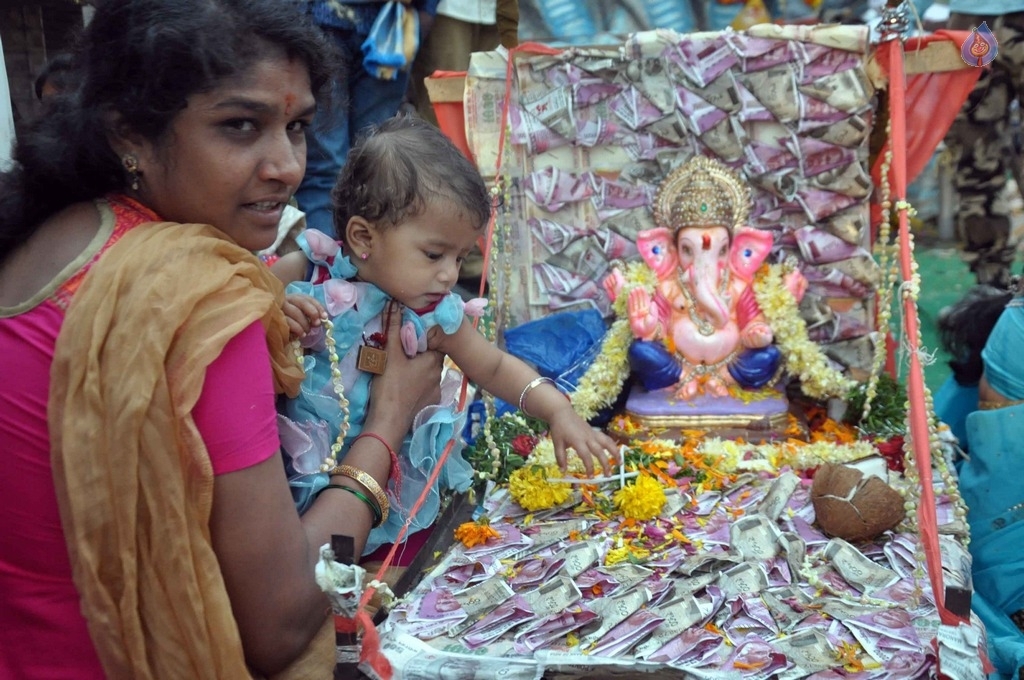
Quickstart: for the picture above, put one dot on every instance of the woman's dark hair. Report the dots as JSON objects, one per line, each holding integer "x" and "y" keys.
{"x": 397, "y": 167}
{"x": 137, "y": 62}
{"x": 964, "y": 328}
{"x": 59, "y": 72}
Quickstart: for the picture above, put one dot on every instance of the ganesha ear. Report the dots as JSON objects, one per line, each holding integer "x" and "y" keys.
{"x": 658, "y": 251}
{"x": 749, "y": 249}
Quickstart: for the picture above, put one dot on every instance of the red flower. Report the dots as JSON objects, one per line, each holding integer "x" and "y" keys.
{"x": 892, "y": 451}
{"x": 524, "y": 444}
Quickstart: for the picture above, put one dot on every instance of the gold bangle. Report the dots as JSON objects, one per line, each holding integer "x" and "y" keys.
{"x": 370, "y": 484}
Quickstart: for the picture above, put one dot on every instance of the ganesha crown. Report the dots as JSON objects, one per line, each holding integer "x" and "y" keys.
{"x": 701, "y": 192}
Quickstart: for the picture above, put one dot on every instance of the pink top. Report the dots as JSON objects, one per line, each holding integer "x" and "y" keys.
{"x": 42, "y": 632}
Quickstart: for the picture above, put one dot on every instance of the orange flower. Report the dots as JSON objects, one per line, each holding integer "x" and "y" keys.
{"x": 475, "y": 533}
{"x": 847, "y": 654}
{"x": 751, "y": 666}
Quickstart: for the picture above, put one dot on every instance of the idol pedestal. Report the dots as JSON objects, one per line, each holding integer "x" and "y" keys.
{"x": 752, "y": 415}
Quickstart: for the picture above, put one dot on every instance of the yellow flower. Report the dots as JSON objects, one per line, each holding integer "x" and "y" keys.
{"x": 616, "y": 555}
{"x": 529, "y": 486}
{"x": 641, "y": 500}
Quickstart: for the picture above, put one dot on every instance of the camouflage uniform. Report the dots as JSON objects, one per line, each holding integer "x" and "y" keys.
{"x": 979, "y": 141}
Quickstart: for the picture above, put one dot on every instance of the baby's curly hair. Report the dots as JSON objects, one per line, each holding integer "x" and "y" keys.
{"x": 396, "y": 168}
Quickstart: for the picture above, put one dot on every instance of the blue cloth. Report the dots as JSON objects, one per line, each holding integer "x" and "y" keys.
{"x": 653, "y": 364}
{"x": 1002, "y": 355}
{"x": 312, "y": 421}
{"x": 656, "y": 367}
{"x": 953, "y": 403}
{"x": 989, "y": 7}
{"x": 988, "y": 486}
{"x": 561, "y": 346}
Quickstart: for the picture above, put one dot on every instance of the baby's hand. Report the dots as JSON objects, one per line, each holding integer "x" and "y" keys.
{"x": 568, "y": 429}
{"x": 302, "y": 313}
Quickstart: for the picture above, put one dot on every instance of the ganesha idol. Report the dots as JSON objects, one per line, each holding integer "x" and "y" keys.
{"x": 699, "y": 337}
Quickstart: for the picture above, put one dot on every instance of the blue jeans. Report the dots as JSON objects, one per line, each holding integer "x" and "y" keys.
{"x": 359, "y": 101}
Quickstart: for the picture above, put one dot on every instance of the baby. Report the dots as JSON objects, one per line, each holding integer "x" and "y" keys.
{"x": 408, "y": 208}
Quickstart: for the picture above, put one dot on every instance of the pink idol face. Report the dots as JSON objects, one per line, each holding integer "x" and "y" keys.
{"x": 703, "y": 245}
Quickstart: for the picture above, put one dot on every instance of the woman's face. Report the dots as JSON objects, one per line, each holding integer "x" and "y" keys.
{"x": 235, "y": 154}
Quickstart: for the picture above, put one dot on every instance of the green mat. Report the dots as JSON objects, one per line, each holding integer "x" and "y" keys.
{"x": 944, "y": 280}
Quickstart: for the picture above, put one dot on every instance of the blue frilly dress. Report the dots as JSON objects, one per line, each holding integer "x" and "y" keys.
{"x": 310, "y": 422}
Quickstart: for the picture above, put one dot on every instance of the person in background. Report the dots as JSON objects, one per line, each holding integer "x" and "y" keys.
{"x": 460, "y": 28}
{"x": 979, "y": 139}
{"x": 146, "y": 524}
{"x": 55, "y": 78}
{"x": 983, "y": 403}
{"x": 361, "y": 99}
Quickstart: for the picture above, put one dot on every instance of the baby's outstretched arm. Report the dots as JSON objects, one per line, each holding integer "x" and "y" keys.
{"x": 541, "y": 399}
{"x": 514, "y": 381}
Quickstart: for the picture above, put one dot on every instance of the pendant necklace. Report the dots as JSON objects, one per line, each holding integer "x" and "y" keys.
{"x": 372, "y": 357}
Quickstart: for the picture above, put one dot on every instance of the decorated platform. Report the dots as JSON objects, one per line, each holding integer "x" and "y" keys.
{"x": 707, "y": 561}
{"x": 797, "y": 520}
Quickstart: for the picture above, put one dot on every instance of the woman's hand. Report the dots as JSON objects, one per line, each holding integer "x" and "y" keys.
{"x": 406, "y": 386}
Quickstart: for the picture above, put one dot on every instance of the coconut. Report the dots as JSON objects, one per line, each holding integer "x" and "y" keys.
{"x": 853, "y": 507}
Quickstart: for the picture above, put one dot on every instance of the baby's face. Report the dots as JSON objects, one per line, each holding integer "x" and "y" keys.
{"x": 418, "y": 261}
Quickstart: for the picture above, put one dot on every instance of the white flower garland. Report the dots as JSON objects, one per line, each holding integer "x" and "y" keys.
{"x": 804, "y": 358}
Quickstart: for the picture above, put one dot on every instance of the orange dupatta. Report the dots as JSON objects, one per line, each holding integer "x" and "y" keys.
{"x": 133, "y": 477}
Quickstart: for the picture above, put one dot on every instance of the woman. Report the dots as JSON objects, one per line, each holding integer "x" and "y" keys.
{"x": 983, "y": 403}
{"x": 147, "y": 526}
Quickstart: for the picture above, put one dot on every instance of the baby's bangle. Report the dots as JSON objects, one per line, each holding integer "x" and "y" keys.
{"x": 539, "y": 380}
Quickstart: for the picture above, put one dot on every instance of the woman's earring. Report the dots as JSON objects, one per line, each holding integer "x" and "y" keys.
{"x": 364, "y": 256}
{"x": 131, "y": 166}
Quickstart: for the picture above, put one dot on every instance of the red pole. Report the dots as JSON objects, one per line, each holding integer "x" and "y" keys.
{"x": 918, "y": 416}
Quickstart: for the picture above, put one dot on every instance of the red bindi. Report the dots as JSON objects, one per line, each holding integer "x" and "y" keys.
{"x": 289, "y": 99}
{"x": 705, "y": 242}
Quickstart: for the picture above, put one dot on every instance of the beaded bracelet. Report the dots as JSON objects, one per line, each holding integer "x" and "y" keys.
{"x": 377, "y": 518}
{"x": 396, "y": 472}
{"x": 539, "y": 380}
{"x": 370, "y": 484}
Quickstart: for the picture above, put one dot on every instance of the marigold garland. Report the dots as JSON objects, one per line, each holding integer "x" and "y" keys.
{"x": 641, "y": 500}
{"x": 530, "y": 487}
{"x": 804, "y": 357}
